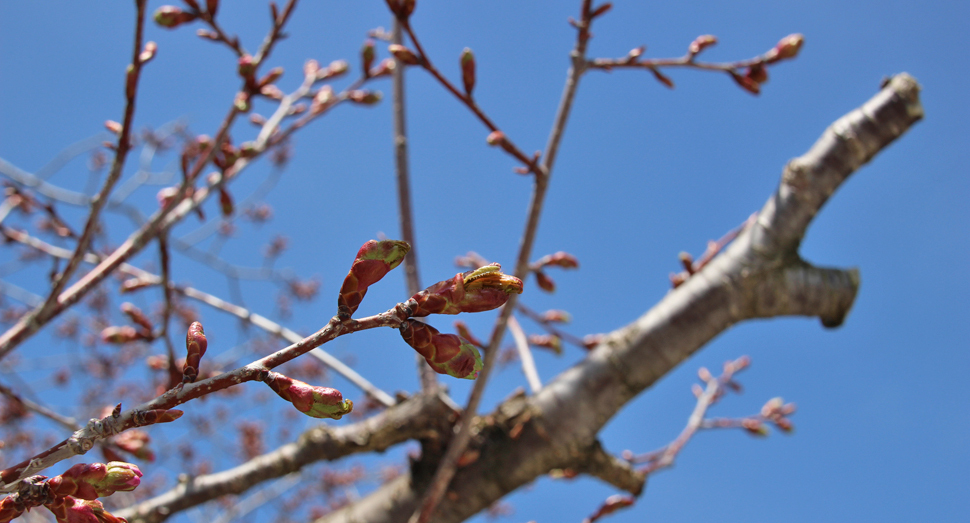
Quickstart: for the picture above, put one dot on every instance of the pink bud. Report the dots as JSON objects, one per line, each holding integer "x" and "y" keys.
{"x": 700, "y": 43}
{"x": 119, "y": 335}
{"x": 374, "y": 260}
{"x": 482, "y": 289}
{"x": 171, "y": 17}
{"x": 545, "y": 282}
{"x": 405, "y": 55}
{"x": 246, "y": 66}
{"x": 786, "y": 48}
{"x": 468, "y": 70}
{"x": 148, "y": 53}
{"x": 445, "y": 353}
{"x": 112, "y": 126}
{"x": 195, "y": 346}
{"x": 316, "y": 402}
{"x": 364, "y": 97}
{"x": 746, "y": 83}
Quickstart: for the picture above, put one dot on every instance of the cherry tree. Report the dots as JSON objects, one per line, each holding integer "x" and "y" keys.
{"x": 470, "y": 458}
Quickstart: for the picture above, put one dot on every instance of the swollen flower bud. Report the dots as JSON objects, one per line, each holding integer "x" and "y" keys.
{"x": 317, "y": 402}
{"x": 170, "y": 17}
{"x": 148, "y": 53}
{"x": 700, "y": 43}
{"x": 363, "y": 97}
{"x": 445, "y": 353}
{"x": 746, "y": 83}
{"x": 69, "y": 509}
{"x": 468, "y": 70}
{"x": 94, "y": 480}
{"x": 336, "y": 68}
{"x": 545, "y": 282}
{"x": 374, "y": 260}
{"x": 482, "y": 289}
{"x": 195, "y": 345}
{"x": 119, "y": 335}
{"x": 787, "y": 47}
{"x": 367, "y": 55}
{"x": 405, "y": 55}
{"x": 246, "y": 66}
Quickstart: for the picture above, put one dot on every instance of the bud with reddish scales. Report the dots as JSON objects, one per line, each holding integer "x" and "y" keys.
{"x": 94, "y": 480}
{"x": 119, "y": 335}
{"x": 241, "y": 102}
{"x": 405, "y": 55}
{"x": 225, "y": 202}
{"x": 10, "y": 509}
{"x": 746, "y": 83}
{"x": 137, "y": 316}
{"x": 446, "y": 353}
{"x": 364, "y": 97}
{"x": 772, "y": 407}
{"x": 135, "y": 442}
{"x": 367, "y": 55}
{"x": 195, "y": 346}
{"x": 557, "y": 316}
{"x": 545, "y": 282}
{"x": 496, "y": 138}
{"x": 335, "y": 69}
{"x": 466, "y": 333}
{"x": 385, "y": 68}
{"x": 148, "y": 53}
{"x": 468, "y": 70}
{"x": 322, "y": 100}
{"x": 546, "y": 341}
{"x": 69, "y": 509}
{"x": 758, "y": 73}
{"x": 272, "y": 76}
{"x": 374, "y": 260}
{"x": 754, "y": 427}
{"x": 786, "y": 48}
{"x": 316, "y": 402}
{"x": 170, "y": 17}
{"x": 559, "y": 259}
{"x": 246, "y": 66}
{"x": 479, "y": 290}
{"x": 700, "y": 43}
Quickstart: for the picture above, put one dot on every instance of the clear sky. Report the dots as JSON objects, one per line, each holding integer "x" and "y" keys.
{"x": 644, "y": 172}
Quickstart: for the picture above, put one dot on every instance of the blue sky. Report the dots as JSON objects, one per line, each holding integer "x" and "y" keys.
{"x": 644, "y": 172}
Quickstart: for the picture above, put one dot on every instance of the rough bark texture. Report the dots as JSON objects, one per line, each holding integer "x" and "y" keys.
{"x": 759, "y": 275}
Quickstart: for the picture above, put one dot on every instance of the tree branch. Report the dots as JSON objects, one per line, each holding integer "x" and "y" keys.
{"x": 566, "y": 415}
{"x": 422, "y": 416}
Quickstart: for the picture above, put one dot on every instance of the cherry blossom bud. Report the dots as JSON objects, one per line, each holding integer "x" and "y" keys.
{"x": 482, "y": 289}
{"x": 195, "y": 345}
{"x": 119, "y": 335}
{"x": 385, "y": 68}
{"x": 374, "y": 260}
{"x": 704, "y": 374}
{"x": 69, "y": 509}
{"x": 700, "y": 43}
{"x": 559, "y": 259}
{"x": 246, "y": 66}
{"x": 211, "y": 6}
{"x": 468, "y": 70}
{"x": 137, "y": 316}
{"x": 94, "y": 480}
{"x": 316, "y": 402}
{"x": 310, "y": 69}
{"x": 758, "y": 73}
{"x": 11, "y": 508}
{"x": 445, "y": 353}
{"x": 746, "y": 83}
{"x": 601, "y": 10}
{"x": 786, "y": 48}
{"x": 363, "y": 97}
{"x": 546, "y": 341}
{"x": 322, "y": 100}
{"x": 496, "y": 138}
{"x": 754, "y": 427}
{"x": 335, "y": 69}
{"x": 662, "y": 78}
{"x": 367, "y": 55}
{"x": 135, "y": 442}
{"x": 112, "y": 126}
{"x": 772, "y": 407}
{"x": 225, "y": 202}
{"x": 611, "y": 505}
{"x": 171, "y": 17}
{"x": 556, "y": 316}
{"x": 272, "y": 76}
{"x": 133, "y": 284}
{"x": 148, "y": 53}
{"x": 405, "y": 55}
{"x": 241, "y": 102}
{"x": 545, "y": 282}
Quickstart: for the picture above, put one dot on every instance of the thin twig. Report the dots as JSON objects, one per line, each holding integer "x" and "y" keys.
{"x": 429, "y": 379}
{"x": 65, "y": 421}
{"x": 240, "y": 312}
{"x": 525, "y": 355}
{"x": 449, "y": 462}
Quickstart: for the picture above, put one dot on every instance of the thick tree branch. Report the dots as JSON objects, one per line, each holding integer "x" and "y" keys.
{"x": 759, "y": 275}
{"x": 422, "y": 416}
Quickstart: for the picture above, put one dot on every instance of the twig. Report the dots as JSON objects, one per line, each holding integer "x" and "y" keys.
{"x": 429, "y": 380}
{"x": 549, "y": 327}
{"x": 240, "y": 312}
{"x": 65, "y": 421}
{"x": 449, "y": 462}
{"x": 525, "y": 355}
